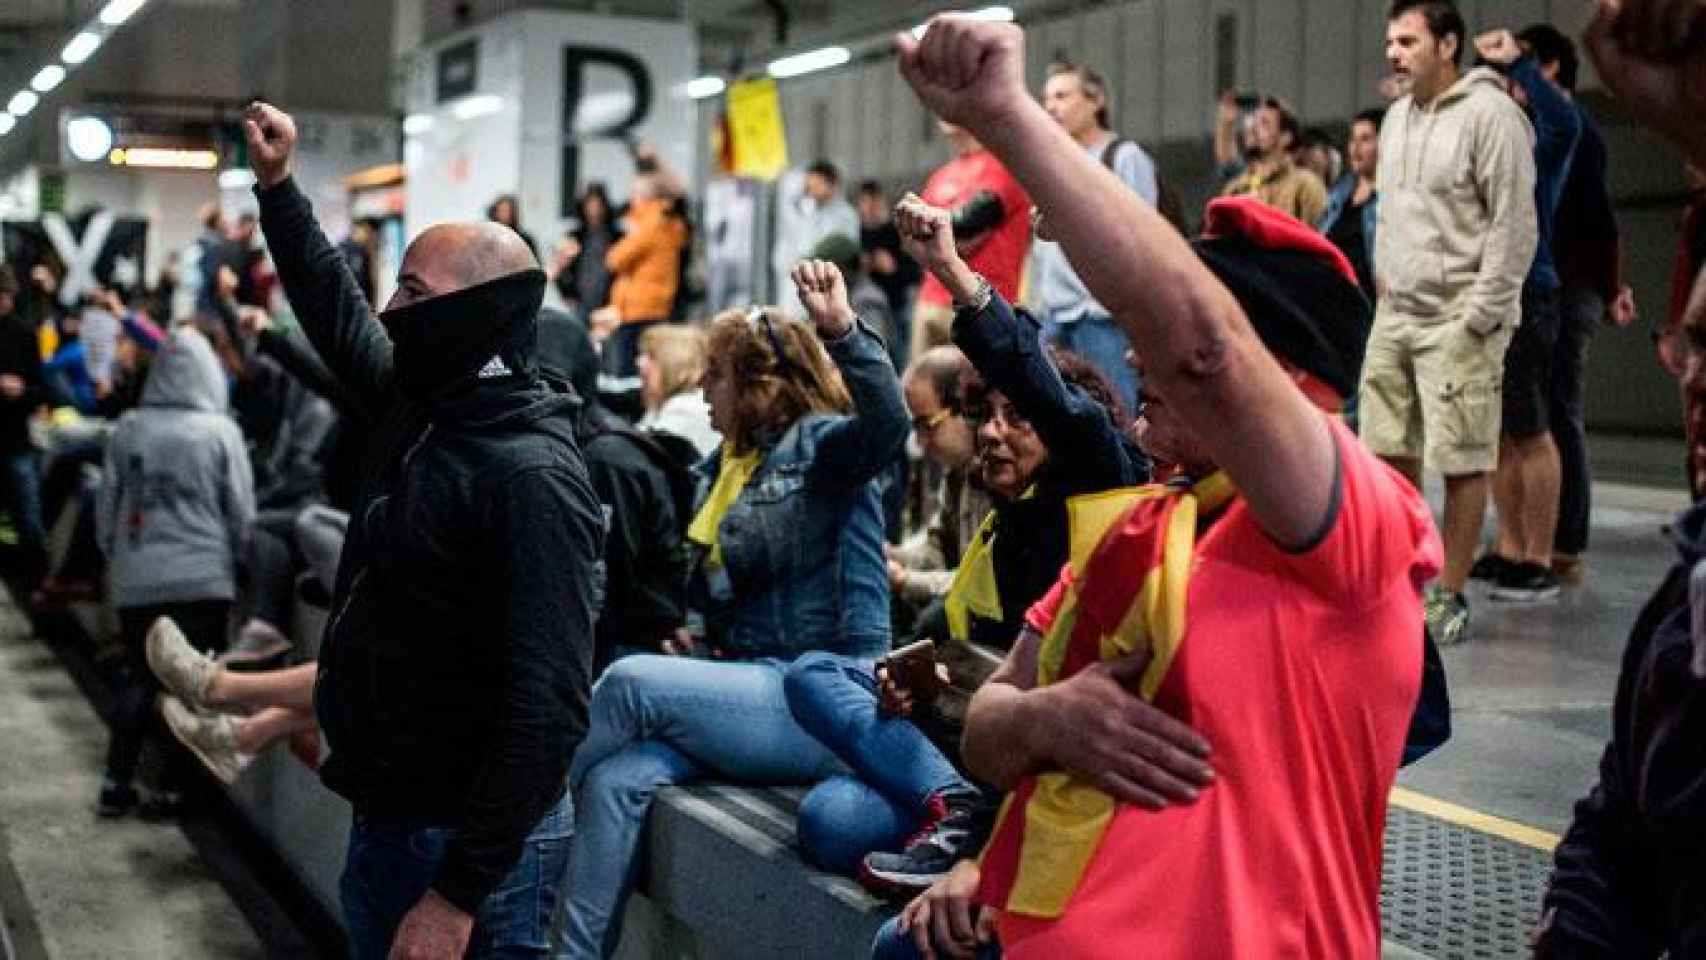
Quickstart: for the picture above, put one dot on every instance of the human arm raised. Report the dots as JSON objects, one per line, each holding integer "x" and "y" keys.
{"x": 1197, "y": 347}
{"x": 1651, "y": 54}
{"x": 323, "y": 293}
{"x": 1007, "y": 352}
{"x": 861, "y": 445}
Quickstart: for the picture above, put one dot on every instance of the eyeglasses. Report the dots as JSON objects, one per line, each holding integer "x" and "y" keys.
{"x": 759, "y": 317}
{"x": 925, "y": 426}
{"x": 982, "y": 411}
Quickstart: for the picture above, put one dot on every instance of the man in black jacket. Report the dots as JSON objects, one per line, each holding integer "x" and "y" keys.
{"x": 454, "y": 671}
{"x": 20, "y": 393}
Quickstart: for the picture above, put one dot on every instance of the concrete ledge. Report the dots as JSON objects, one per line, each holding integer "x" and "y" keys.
{"x": 725, "y": 879}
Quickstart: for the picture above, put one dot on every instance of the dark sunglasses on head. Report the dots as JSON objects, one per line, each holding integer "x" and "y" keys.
{"x": 759, "y": 317}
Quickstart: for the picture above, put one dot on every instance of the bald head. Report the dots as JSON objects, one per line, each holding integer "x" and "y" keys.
{"x": 455, "y": 256}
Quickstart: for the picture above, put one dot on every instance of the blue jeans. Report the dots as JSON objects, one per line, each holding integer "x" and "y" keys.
{"x": 657, "y": 721}
{"x": 23, "y": 502}
{"x": 835, "y": 699}
{"x": 1098, "y": 339}
{"x": 892, "y": 944}
{"x": 390, "y": 867}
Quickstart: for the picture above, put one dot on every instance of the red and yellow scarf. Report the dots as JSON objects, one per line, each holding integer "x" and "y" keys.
{"x": 1131, "y": 555}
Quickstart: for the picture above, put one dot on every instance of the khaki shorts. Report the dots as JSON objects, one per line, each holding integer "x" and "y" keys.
{"x": 1433, "y": 390}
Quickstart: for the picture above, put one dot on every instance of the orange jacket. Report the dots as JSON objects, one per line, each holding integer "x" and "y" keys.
{"x": 647, "y": 262}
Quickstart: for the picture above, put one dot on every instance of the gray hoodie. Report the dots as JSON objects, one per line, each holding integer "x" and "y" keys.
{"x": 178, "y": 495}
{"x": 1457, "y": 228}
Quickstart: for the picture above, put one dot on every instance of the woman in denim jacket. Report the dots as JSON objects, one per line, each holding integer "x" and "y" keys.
{"x": 791, "y": 532}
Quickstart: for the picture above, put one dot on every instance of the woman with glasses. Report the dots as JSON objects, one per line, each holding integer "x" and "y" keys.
{"x": 789, "y": 536}
{"x": 922, "y": 567}
{"x": 1048, "y": 427}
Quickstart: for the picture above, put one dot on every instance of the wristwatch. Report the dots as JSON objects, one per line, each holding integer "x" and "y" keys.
{"x": 980, "y": 297}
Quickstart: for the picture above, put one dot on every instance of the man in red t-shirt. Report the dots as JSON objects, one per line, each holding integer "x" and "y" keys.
{"x": 992, "y": 223}
{"x": 1280, "y": 618}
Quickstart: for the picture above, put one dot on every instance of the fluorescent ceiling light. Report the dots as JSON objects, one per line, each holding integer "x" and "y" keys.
{"x": 701, "y": 87}
{"x": 7, "y": 122}
{"x": 88, "y": 138}
{"x": 164, "y": 158}
{"x": 992, "y": 14}
{"x": 416, "y": 124}
{"x": 22, "y": 103}
{"x": 470, "y": 107}
{"x": 809, "y": 62}
{"x": 48, "y": 77}
{"x": 118, "y": 11}
{"x": 80, "y": 47}
{"x": 236, "y": 178}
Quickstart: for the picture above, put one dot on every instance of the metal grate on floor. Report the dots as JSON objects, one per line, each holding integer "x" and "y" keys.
{"x": 1454, "y": 893}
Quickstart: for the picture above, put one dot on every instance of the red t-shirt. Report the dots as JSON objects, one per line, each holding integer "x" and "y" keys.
{"x": 999, "y": 254}
{"x": 1302, "y": 670}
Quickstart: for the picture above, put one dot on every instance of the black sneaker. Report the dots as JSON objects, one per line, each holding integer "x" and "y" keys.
{"x": 117, "y": 799}
{"x": 163, "y": 805}
{"x": 1526, "y": 583}
{"x": 1490, "y": 566}
{"x": 943, "y": 840}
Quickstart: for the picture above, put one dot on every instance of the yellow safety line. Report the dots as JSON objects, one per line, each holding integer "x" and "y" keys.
{"x": 1475, "y": 820}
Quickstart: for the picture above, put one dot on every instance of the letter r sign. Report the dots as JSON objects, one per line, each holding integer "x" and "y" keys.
{"x": 589, "y": 115}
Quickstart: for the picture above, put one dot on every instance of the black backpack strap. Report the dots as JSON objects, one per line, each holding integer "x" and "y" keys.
{"x": 1168, "y": 202}
{"x": 1111, "y": 152}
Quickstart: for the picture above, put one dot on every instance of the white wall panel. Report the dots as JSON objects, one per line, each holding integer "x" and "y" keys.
{"x": 1140, "y": 100}
{"x": 868, "y": 119}
{"x": 1330, "y": 41}
{"x": 1511, "y": 14}
{"x": 1370, "y": 49}
{"x": 1043, "y": 42}
{"x": 1185, "y": 32}
{"x": 1098, "y": 47}
{"x": 1277, "y": 35}
{"x": 843, "y": 135}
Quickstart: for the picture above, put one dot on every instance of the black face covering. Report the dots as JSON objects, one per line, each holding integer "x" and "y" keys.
{"x": 438, "y": 343}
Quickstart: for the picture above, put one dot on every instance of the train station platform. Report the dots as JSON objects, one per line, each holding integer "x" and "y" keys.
{"x": 1468, "y": 840}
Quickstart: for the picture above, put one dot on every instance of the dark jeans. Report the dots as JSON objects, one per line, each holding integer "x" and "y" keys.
{"x": 835, "y": 699}
{"x": 1580, "y": 315}
{"x": 1527, "y": 384}
{"x": 204, "y": 623}
{"x": 622, "y": 350}
{"x": 23, "y": 502}
{"x": 270, "y": 574}
{"x": 892, "y": 944}
{"x": 391, "y": 865}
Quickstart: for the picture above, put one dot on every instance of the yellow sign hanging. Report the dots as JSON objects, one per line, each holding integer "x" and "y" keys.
{"x": 755, "y": 127}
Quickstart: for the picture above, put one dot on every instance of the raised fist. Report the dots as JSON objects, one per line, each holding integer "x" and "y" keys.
{"x": 823, "y": 292}
{"x": 967, "y": 72}
{"x": 1498, "y": 47}
{"x": 272, "y": 136}
{"x": 927, "y": 233}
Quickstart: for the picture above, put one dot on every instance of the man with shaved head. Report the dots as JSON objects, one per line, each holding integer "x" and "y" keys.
{"x": 454, "y": 671}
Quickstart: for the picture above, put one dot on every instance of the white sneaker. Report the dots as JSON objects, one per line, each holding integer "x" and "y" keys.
{"x": 211, "y": 737}
{"x": 182, "y": 669}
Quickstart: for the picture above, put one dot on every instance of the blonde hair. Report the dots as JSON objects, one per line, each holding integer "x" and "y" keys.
{"x": 773, "y": 391}
{"x": 678, "y": 353}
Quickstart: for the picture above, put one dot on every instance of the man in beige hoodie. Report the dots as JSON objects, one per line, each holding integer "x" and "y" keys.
{"x": 1456, "y": 236}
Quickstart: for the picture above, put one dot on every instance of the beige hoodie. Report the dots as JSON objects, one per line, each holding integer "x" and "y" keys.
{"x": 1457, "y": 230}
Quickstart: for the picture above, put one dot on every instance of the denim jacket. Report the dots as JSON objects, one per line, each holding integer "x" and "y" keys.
{"x": 803, "y": 542}
{"x": 1339, "y": 200}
